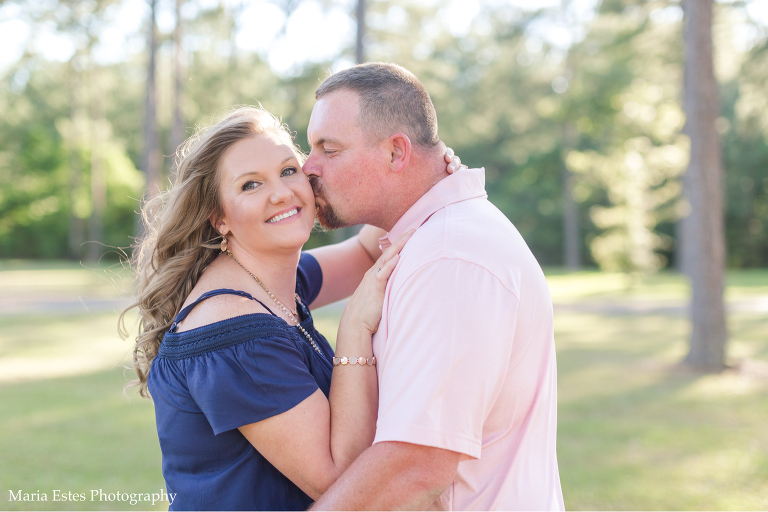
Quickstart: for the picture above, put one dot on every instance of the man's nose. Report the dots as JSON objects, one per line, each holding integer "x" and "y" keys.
{"x": 310, "y": 166}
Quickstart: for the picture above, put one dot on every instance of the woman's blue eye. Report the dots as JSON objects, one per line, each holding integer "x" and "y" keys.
{"x": 288, "y": 171}
{"x": 250, "y": 185}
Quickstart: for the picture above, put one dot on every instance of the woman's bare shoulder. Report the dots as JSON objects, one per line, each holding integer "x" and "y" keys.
{"x": 219, "y": 307}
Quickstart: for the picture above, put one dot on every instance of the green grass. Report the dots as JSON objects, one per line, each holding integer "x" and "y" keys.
{"x": 588, "y": 285}
{"x": 635, "y": 430}
{"x": 77, "y": 434}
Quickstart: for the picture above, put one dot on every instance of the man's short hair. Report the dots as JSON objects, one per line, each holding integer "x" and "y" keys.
{"x": 391, "y": 100}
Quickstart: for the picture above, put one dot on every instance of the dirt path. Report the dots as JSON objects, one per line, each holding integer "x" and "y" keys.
{"x": 31, "y": 305}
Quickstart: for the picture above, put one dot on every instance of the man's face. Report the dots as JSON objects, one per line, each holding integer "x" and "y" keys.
{"x": 344, "y": 166}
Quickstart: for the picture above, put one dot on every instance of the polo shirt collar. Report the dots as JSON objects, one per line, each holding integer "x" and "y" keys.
{"x": 459, "y": 186}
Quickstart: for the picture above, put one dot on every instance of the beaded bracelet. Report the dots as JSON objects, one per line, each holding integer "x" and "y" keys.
{"x": 371, "y": 361}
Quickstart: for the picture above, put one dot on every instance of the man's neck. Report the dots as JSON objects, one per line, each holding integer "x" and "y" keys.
{"x": 425, "y": 170}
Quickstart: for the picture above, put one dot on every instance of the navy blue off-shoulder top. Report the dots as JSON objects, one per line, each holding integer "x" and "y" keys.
{"x": 207, "y": 382}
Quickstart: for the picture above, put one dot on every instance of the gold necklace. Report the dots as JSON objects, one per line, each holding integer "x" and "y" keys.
{"x": 290, "y": 314}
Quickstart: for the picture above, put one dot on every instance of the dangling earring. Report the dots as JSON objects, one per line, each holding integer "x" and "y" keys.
{"x": 224, "y": 244}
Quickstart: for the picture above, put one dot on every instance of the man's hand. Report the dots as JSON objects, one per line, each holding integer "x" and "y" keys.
{"x": 392, "y": 476}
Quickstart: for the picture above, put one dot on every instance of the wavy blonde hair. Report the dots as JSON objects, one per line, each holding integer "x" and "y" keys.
{"x": 179, "y": 241}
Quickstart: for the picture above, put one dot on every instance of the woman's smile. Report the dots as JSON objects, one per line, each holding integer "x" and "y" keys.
{"x": 284, "y": 215}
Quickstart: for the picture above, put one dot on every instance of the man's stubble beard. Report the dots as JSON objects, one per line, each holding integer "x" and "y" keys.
{"x": 328, "y": 218}
{"x": 326, "y": 215}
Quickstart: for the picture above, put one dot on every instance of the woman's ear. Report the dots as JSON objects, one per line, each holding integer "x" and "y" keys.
{"x": 218, "y": 224}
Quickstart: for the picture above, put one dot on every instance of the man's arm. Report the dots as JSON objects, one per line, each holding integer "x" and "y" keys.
{"x": 392, "y": 476}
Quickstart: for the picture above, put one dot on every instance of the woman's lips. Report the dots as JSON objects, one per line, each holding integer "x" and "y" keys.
{"x": 285, "y": 214}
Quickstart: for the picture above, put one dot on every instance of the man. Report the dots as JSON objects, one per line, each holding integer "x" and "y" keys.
{"x": 466, "y": 358}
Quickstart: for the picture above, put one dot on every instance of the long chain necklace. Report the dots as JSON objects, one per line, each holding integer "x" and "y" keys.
{"x": 290, "y": 314}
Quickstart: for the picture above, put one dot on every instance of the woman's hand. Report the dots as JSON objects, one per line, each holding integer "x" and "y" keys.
{"x": 453, "y": 161}
{"x": 344, "y": 264}
{"x": 363, "y": 311}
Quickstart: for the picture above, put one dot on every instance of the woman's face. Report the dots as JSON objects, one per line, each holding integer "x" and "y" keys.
{"x": 267, "y": 201}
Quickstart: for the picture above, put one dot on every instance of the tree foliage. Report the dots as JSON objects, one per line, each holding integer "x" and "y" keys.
{"x": 606, "y": 107}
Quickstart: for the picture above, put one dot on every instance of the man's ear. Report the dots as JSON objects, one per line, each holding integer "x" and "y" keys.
{"x": 400, "y": 152}
{"x": 218, "y": 224}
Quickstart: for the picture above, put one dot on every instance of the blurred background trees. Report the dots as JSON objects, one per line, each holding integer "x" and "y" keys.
{"x": 575, "y": 110}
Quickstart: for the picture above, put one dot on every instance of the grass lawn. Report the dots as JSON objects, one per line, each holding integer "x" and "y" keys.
{"x": 78, "y": 434}
{"x": 635, "y": 431}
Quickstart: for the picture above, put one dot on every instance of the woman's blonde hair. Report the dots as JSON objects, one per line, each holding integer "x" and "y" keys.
{"x": 179, "y": 241}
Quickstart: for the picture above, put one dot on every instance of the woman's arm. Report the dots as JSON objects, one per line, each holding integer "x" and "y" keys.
{"x": 314, "y": 442}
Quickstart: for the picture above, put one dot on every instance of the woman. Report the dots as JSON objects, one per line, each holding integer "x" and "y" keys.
{"x": 247, "y": 413}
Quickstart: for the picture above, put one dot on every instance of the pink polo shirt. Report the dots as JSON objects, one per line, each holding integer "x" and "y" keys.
{"x": 466, "y": 352}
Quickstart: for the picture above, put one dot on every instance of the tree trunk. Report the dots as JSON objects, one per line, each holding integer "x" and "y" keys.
{"x": 360, "y": 46}
{"x": 177, "y": 130}
{"x": 704, "y": 182}
{"x": 571, "y": 241}
{"x": 571, "y": 249}
{"x": 97, "y": 126}
{"x": 76, "y": 228}
{"x": 152, "y": 156}
{"x": 683, "y": 252}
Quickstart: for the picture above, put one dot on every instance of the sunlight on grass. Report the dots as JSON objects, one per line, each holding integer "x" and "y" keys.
{"x": 107, "y": 280}
{"x": 328, "y": 326}
{"x": 34, "y": 280}
{"x": 566, "y": 287}
{"x": 56, "y": 346}
{"x": 599, "y": 284}
{"x": 638, "y": 432}
{"x": 729, "y": 383}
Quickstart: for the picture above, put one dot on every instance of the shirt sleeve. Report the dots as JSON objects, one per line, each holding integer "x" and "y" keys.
{"x": 309, "y": 278}
{"x": 249, "y": 382}
{"x": 448, "y": 347}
